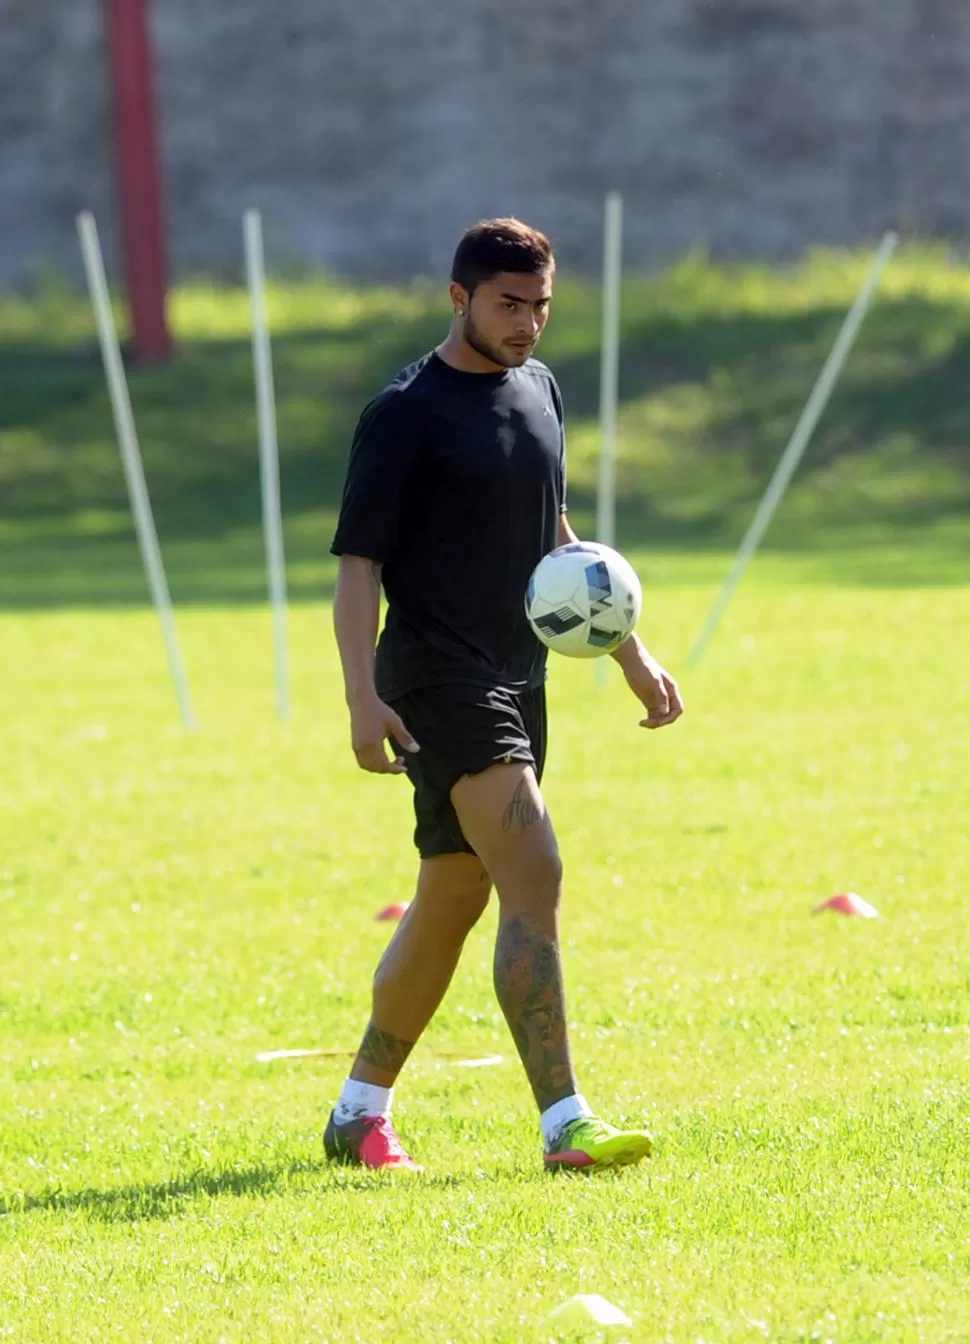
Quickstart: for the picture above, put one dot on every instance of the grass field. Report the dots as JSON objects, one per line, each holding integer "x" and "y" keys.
{"x": 173, "y": 905}
{"x": 717, "y": 364}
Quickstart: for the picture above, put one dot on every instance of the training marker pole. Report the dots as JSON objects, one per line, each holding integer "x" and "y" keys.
{"x": 798, "y": 442}
{"x": 131, "y": 457}
{"x": 269, "y": 463}
{"x": 609, "y": 378}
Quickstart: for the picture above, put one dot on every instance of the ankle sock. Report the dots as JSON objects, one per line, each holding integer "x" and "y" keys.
{"x": 360, "y": 1099}
{"x": 557, "y": 1117}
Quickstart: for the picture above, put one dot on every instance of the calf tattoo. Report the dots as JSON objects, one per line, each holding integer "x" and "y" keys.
{"x": 384, "y": 1051}
{"x": 523, "y": 810}
{"x": 528, "y": 983}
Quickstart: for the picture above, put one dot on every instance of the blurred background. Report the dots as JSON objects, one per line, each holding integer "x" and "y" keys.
{"x": 761, "y": 146}
{"x": 370, "y": 134}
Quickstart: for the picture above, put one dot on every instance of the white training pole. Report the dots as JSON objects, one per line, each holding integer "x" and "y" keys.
{"x": 131, "y": 456}
{"x": 269, "y": 464}
{"x": 609, "y": 367}
{"x": 798, "y": 442}
{"x": 609, "y": 378}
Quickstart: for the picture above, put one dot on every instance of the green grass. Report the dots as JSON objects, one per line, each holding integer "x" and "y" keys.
{"x": 172, "y": 905}
{"x": 717, "y": 364}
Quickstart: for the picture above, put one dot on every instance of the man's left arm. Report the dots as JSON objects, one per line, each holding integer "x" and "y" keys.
{"x": 654, "y": 688}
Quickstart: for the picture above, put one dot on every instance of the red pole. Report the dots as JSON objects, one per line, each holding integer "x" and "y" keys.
{"x": 139, "y": 184}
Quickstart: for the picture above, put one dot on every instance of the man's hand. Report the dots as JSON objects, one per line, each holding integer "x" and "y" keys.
{"x": 371, "y": 724}
{"x": 654, "y": 688}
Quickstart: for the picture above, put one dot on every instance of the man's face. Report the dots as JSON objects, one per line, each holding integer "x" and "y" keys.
{"x": 506, "y": 315}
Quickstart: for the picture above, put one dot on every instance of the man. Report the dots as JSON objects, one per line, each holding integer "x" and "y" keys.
{"x": 454, "y": 492}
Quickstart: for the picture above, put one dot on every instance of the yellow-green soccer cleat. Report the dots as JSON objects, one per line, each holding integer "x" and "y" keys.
{"x": 593, "y": 1145}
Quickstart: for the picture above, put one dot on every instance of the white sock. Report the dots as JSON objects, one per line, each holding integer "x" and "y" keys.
{"x": 358, "y": 1099}
{"x": 557, "y": 1117}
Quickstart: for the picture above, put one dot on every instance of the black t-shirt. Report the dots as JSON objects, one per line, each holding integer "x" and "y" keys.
{"x": 455, "y": 485}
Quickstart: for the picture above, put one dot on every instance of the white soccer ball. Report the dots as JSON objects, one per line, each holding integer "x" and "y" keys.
{"x": 583, "y": 600}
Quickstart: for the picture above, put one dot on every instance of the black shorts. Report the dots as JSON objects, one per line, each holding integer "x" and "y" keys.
{"x": 462, "y": 730}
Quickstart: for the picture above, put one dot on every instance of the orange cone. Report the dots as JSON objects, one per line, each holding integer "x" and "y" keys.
{"x": 848, "y": 903}
{"x": 396, "y": 910}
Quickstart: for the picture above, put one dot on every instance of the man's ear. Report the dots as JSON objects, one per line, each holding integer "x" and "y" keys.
{"x": 459, "y": 299}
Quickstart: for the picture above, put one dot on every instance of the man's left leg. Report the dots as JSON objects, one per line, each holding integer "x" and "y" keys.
{"x": 504, "y": 817}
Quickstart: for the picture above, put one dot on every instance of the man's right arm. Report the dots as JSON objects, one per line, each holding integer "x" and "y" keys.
{"x": 356, "y": 612}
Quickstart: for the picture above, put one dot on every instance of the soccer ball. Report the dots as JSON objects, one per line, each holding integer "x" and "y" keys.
{"x": 583, "y": 600}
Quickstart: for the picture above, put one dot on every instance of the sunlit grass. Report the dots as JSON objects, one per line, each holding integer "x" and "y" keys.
{"x": 173, "y": 905}
{"x": 717, "y": 363}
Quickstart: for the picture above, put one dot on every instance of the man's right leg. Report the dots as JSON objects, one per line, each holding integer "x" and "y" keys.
{"x": 420, "y": 960}
{"x": 411, "y": 980}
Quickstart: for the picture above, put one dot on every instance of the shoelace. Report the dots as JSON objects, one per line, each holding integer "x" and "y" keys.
{"x": 382, "y": 1124}
{"x": 585, "y": 1127}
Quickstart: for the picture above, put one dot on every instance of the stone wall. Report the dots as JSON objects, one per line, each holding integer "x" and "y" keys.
{"x": 371, "y": 131}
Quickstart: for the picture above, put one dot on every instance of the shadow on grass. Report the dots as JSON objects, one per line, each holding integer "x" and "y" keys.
{"x": 171, "y": 1199}
{"x": 65, "y": 535}
{"x": 105, "y": 572}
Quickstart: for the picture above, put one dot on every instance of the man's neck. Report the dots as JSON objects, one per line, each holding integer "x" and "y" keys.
{"x": 455, "y": 351}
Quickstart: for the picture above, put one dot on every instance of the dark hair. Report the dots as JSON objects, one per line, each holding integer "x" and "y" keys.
{"x": 496, "y": 245}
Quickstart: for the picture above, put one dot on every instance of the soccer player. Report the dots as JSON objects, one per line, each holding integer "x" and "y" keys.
{"x": 456, "y": 488}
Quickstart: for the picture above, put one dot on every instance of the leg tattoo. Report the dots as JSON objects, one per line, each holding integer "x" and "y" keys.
{"x": 528, "y": 982}
{"x": 384, "y": 1051}
{"x": 523, "y": 810}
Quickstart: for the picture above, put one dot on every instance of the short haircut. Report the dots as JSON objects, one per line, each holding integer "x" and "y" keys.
{"x": 496, "y": 245}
